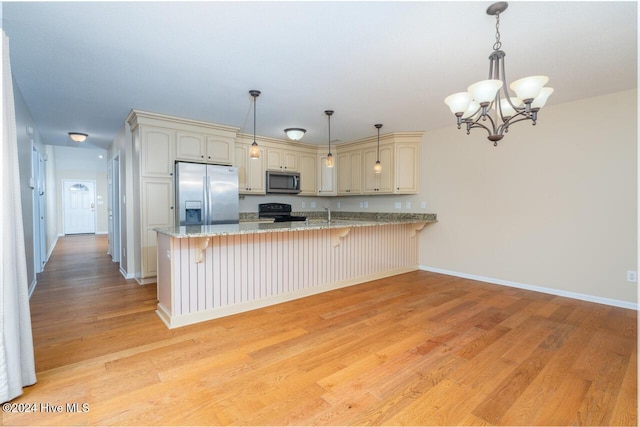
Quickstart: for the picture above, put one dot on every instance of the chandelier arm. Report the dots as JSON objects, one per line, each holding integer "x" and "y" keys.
{"x": 473, "y": 125}
{"x": 510, "y": 122}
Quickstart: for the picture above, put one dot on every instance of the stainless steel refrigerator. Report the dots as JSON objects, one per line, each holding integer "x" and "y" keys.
{"x": 206, "y": 194}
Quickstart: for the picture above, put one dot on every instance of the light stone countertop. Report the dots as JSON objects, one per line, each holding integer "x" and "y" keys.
{"x": 247, "y": 227}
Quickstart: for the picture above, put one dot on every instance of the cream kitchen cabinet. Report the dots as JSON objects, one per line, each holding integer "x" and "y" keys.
{"x": 308, "y": 174}
{"x": 158, "y": 141}
{"x": 251, "y": 172}
{"x": 327, "y": 178}
{"x": 282, "y": 159}
{"x": 156, "y": 210}
{"x": 406, "y": 156}
{"x": 207, "y": 148}
{"x": 379, "y": 183}
{"x": 155, "y": 148}
{"x": 349, "y": 169}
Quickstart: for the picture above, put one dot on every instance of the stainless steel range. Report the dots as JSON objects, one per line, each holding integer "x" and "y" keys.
{"x": 280, "y": 212}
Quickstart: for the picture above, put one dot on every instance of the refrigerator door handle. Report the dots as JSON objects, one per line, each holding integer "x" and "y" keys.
{"x": 206, "y": 215}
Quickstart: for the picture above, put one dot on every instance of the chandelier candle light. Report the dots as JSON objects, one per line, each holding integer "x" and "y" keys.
{"x": 474, "y": 106}
{"x": 329, "y": 161}
{"x": 254, "y": 151}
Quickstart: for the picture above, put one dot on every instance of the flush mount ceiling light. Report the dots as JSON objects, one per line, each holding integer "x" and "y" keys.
{"x": 377, "y": 168}
{"x": 474, "y": 106}
{"x": 329, "y": 161}
{"x": 78, "y": 137}
{"x": 295, "y": 134}
{"x": 254, "y": 151}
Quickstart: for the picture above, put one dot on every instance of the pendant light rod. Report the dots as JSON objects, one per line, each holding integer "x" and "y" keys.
{"x": 377, "y": 168}
{"x": 254, "y": 151}
{"x": 329, "y": 161}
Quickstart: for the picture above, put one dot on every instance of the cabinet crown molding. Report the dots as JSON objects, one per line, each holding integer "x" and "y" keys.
{"x": 139, "y": 117}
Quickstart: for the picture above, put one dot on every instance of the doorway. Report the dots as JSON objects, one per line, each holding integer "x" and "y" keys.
{"x": 79, "y": 207}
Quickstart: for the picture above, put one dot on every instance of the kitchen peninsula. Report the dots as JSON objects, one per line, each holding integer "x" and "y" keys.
{"x": 206, "y": 272}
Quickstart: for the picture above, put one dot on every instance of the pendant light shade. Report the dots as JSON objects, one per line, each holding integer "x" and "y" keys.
{"x": 254, "y": 151}
{"x": 329, "y": 160}
{"x": 377, "y": 168}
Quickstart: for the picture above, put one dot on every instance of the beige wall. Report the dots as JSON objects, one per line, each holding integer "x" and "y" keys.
{"x": 554, "y": 206}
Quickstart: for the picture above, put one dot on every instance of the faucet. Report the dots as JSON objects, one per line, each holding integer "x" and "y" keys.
{"x": 328, "y": 214}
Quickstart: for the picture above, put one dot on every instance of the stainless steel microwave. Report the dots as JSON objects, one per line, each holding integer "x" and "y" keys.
{"x": 283, "y": 182}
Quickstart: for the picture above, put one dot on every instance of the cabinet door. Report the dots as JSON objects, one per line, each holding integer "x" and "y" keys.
{"x": 406, "y": 168}
{"x": 378, "y": 183}
{"x": 308, "y": 175}
{"x": 274, "y": 159}
{"x": 156, "y": 151}
{"x": 355, "y": 161}
{"x": 220, "y": 150}
{"x": 190, "y": 146}
{"x": 344, "y": 173}
{"x": 156, "y": 211}
{"x": 327, "y": 178}
{"x": 290, "y": 160}
{"x": 251, "y": 172}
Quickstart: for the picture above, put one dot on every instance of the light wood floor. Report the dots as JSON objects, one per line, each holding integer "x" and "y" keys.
{"x": 416, "y": 349}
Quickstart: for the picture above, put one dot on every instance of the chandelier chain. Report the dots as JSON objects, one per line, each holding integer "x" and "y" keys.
{"x": 498, "y": 44}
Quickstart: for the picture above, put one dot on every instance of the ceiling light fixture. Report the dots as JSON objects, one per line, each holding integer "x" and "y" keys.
{"x": 295, "y": 134}
{"x": 254, "y": 151}
{"x": 473, "y": 106}
{"x": 78, "y": 137}
{"x": 377, "y": 168}
{"x": 329, "y": 161}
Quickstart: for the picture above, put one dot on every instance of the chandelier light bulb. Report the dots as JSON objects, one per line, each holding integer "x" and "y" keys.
{"x": 377, "y": 168}
{"x": 484, "y": 91}
{"x": 529, "y": 87}
{"x": 458, "y": 102}
{"x": 541, "y": 99}
{"x": 329, "y": 160}
{"x": 507, "y": 109}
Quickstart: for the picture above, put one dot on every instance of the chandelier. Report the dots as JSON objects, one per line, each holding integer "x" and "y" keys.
{"x": 483, "y": 101}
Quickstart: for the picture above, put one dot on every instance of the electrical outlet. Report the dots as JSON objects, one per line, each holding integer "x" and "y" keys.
{"x": 303, "y": 205}
{"x": 398, "y": 205}
{"x": 313, "y": 204}
{"x": 407, "y": 205}
{"x": 338, "y": 205}
{"x": 632, "y": 276}
{"x": 423, "y": 205}
{"x": 366, "y": 205}
{"x": 361, "y": 204}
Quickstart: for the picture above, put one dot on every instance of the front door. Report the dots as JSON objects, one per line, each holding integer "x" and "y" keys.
{"x": 79, "y": 207}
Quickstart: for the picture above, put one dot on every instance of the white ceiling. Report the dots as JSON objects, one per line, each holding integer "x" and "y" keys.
{"x": 82, "y": 66}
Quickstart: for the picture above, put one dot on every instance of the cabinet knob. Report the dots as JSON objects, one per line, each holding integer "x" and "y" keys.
{"x": 171, "y": 208}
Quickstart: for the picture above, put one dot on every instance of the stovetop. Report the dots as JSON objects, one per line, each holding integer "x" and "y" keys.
{"x": 280, "y": 212}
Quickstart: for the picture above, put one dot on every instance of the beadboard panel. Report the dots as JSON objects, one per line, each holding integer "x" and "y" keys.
{"x": 242, "y": 272}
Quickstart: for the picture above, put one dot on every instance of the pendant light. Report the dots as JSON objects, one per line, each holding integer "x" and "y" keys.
{"x": 377, "y": 168}
{"x": 254, "y": 151}
{"x": 483, "y": 99}
{"x": 329, "y": 160}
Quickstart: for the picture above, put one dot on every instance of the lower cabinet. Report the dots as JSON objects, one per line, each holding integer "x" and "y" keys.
{"x": 156, "y": 210}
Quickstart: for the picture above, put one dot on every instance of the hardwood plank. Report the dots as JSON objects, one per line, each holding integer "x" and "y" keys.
{"x": 419, "y": 348}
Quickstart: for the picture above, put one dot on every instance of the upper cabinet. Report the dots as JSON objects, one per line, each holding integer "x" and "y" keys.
{"x": 399, "y": 156}
{"x": 155, "y": 147}
{"x": 308, "y": 174}
{"x": 205, "y": 147}
{"x": 251, "y": 172}
{"x": 282, "y": 159}
{"x": 349, "y": 173}
{"x": 327, "y": 178}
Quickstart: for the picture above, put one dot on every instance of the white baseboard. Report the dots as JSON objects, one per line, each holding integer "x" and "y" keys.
{"x": 557, "y": 292}
{"x": 101, "y": 232}
{"x": 32, "y": 287}
{"x": 53, "y": 246}
{"x": 126, "y": 275}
